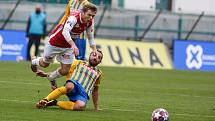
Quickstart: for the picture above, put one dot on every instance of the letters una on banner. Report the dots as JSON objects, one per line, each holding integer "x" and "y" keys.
{"x": 134, "y": 54}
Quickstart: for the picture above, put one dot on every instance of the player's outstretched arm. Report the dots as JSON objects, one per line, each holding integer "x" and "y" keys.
{"x": 66, "y": 33}
{"x": 90, "y": 35}
{"x": 95, "y": 97}
{"x": 41, "y": 73}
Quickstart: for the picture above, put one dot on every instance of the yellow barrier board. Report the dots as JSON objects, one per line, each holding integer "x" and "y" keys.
{"x": 121, "y": 53}
{"x": 133, "y": 54}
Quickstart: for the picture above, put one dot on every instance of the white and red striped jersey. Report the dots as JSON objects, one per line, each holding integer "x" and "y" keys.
{"x": 71, "y": 29}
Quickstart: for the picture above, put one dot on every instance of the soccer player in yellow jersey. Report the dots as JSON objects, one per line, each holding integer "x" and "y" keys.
{"x": 82, "y": 81}
{"x": 73, "y": 5}
{"x": 80, "y": 41}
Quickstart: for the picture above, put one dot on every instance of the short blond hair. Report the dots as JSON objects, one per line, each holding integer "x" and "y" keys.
{"x": 90, "y": 6}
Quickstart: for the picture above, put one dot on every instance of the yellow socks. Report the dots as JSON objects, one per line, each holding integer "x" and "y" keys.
{"x": 56, "y": 93}
{"x": 67, "y": 105}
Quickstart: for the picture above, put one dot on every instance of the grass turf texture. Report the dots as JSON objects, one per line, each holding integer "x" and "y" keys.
{"x": 126, "y": 94}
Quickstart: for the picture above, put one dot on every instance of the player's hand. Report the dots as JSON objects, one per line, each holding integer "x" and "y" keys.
{"x": 41, "y": 73}
{"x": 75, "y": 50}
{"x": 98, "y": 109}
{"x": 94, "y": 51}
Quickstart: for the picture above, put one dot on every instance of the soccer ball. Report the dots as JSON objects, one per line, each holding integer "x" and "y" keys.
{"x": 160, "y": 114}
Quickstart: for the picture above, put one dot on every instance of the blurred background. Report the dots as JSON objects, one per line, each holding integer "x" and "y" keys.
{"x": 181, "y": 26}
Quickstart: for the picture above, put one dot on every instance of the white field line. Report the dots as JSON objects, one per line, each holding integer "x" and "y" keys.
{"x": 9, "y": 100}
{"x": 115, "y": 109}
{"x": 124, "y": 91}
{"x": 165, "y": 94}
{"x": 123, "y": 110}
{"x": 183, "y": 95}
{"x": 23, "y": 83}
{"x": 193, "y": 115}
{"x": 178, "y": 114}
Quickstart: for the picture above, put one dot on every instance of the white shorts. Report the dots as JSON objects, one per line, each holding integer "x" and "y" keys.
{"x": 63, "y": 55}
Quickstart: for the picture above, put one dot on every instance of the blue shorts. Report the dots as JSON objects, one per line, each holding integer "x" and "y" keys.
{"x": 81, "y": 45}
{"x": 78, "y": 93}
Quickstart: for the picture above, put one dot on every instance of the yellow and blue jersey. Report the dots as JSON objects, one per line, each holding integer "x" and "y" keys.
{"x": 74, "y": 5}
{"x": 86, "y": 75}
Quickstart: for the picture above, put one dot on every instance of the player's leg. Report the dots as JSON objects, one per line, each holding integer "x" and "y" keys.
{"x": 66, "y": 58}
{"x": 77, "y": 96}
{"x": 52, "y": 96}
{"x": 79, "y": 105}
{"x": 55, "y": 94}
{"x": 70, "y": 105}
{"x": 81, "y": 45}
{"x": 52, "y": 103}
{"x": 37, "y": 45}
{"x": 64, "y": 70}
{"x": 51, "y": 77}
{"x": 30, "y": 43}
{"x": 83, "y": 51}
{"x": 48, "y": 57}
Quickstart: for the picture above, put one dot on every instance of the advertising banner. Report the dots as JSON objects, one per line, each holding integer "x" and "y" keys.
{"x": 194, "y": 55}
{"x": 12, "y": 45}
{"x": 121, "y": 53}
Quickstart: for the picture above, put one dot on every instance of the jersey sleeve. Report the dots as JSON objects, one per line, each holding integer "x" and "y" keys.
{"x": 71, "y": 21}
{"x": 97, "y": 83}
{"x": 90, "y": 34}
{"x": 72, "y": 68}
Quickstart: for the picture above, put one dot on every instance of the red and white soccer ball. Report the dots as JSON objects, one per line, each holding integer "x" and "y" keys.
{"x": 160, "y": 114}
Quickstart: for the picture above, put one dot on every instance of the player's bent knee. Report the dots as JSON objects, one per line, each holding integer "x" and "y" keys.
{"x": 64, "y": 71}
{"x": 69, "y": 86}
{"x": 79, "y": 105}
{"x": 44, "y": 64}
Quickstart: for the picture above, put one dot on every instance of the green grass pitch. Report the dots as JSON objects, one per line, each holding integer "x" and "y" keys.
{"x": 126, "y": 94}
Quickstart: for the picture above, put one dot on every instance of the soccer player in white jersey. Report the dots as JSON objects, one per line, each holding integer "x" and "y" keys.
{"x": 61, "y": 44}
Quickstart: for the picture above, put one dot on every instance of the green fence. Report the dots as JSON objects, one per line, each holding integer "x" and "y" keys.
{"x": 122, "y": 24}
